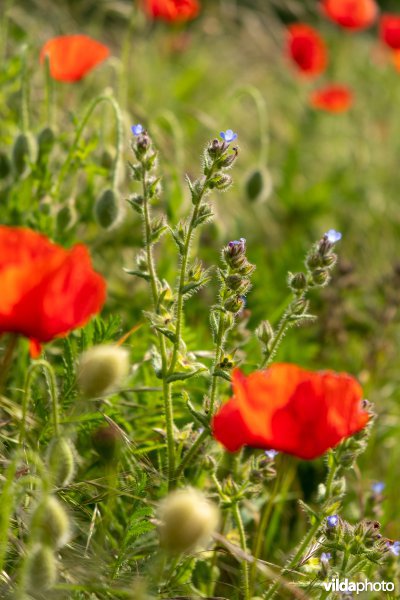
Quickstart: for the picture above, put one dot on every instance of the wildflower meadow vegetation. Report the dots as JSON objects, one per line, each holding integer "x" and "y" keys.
{"x": 199, "y": 299}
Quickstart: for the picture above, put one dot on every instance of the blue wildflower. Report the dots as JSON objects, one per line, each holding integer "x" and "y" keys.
{"x": 137, "y": 129}
{"x": 394, "y": 548}
{"x": 378, "y": 487}
{"x": 228, "y": 135}
{"x": 271, "y": 454}
{"x": 333, "y": 236}
{"x": 325, "y": 557}
{"x": 332, "y": 520}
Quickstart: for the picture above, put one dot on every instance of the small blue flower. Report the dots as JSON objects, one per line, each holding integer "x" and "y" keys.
{"x": 271, "y": 454}
{"x": 378, "y": 487}
{"x": 325, "y": 557}
{"x": 333, "y": 236}
{"x": 332, "y": 520}
{"x": 137, "y": 129}
{"x": 228, "y": 135}
{"x": 394, "y": 548}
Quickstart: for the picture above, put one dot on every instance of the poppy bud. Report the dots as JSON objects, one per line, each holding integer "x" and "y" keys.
{"x": 106, "y": 209}
{"x": 187, "y": 519}
{"x": 5, "y": 165}
{"x": 50, "y": 524}
{"x": 101, "y": 368}
{"x": 259, "y": 185}
{"x": 41, "y": 569}
{"x": 20, "y": 153}
{"x": 107, "y": 442}
{"x": 107, "y": 159}
{"x": 45, "y": 141}
{"x": 66, "y": 217}
{"x": 61, "y": 462}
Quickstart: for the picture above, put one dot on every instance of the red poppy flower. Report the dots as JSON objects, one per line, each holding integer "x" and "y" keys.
{"x": 351, "y": 14}
{"x": 46, "y": 291}
{"x": 307, "y": 49}
{"x": 73, "y": 56}
{"x": 332, "y": 98}
{"x": 389, "y": 31}
{"x": 287, "y": 408}
{"x": 172, "y": 10}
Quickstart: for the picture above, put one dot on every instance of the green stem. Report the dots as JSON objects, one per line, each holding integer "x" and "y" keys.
{"x": 25, "y": 93}
{"x": 7, "y": 505}
{"x": 190, "y": 454}
{"x": 52, "y": 387}
{"x": 294, "y": 561}
{"x": 262, "y": 112}
{"x": 219, "y": 347}
{"x": 7, "y": 359}
{"x": 283, "y": 326}
{"x": 79, "y": 131}
{"x": 154, "y": 284}
{"x": 181, "y": 283}
{"x": 245, "y": 566}
{"x": 49, "y": 94}
{"x": 262, "y": 526}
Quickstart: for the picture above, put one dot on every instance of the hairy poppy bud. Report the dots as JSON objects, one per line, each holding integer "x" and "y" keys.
{"x": 101, "y": 368}
{"x": 66, "y": 217}
{"x": 50, "y": 524}
{"x": 259, "y": 185}
{"x": 41, "y": 569}
{"x": 107, "y": 442}
{"x": 5, "y": 165}
{"x": 61, "y": 462}
{"x": 21, "y": 153}
{"x": 106, "y": 209}
{"x": 187, "y": 519}
{"x": 45, "y": 141}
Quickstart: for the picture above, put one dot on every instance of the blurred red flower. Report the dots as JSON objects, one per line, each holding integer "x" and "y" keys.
{"x": 389, "y": 30}
{"x": 332, "y": 98}
{"x": 46, "y": 291}
{"x": 351, "y": 14}
{"x": 287, "y": 408}
{"x": 172, "y": 10}
{"x": 71, "y": 57}
{"x": 307, "y": 49}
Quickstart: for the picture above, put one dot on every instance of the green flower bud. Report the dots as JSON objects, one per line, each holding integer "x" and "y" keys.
{"x": 238, "y": 283}
{"x": 107, "y": 441}
{"x": 101, "y": 368}
{"x": 187, "y": 519}
{"x": 234, "y": 304}
{"x": 21, "y": 154}
{"x": 5, "y": 165}
{"x": 320, "y": 277}
{"x": 106, "y": 209}
{"x": 259, "y": 185}
{"x": 45, "y": 141}
{"x": 265, "y": 332}
{"x": 221, "y": 181}
{"x": 66, "y": 217}
{"x": 41, "y": 569}
{"x": 50, "y": 523}
{"x": 61, "y": 461}
{"x": 107, "y": 159}
{"x": 297, "y": 282}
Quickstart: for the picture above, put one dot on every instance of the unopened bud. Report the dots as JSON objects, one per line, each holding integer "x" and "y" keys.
{"x": 234, "y": 304}
{"x": 66, "y": 217}
{"x": 5, "y": 165}
{"x": 101, "y": 368}
{"x": 297, "y": 282}
{"x": 41, "y": 570}
{"x": 61, "y": 461}
{"x": 107, "y": 441}
{"x": 187, "y": 519}
{"x": 265, "y": 332}
{"x": 21, "y": 153}
{"x": 45, "y": 141}
{"x": 259, "y": 185}
{"x": 107, "y": 209}
{"x": 237, "y": 283}
{"x": 320, "y": 277}
{"x": 299, "y": 306}
{"x": 220, "y": 182}
{"x": 50, "y": 523}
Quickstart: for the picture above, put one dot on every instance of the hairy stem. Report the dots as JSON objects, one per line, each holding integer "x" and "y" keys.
{"x": 244, "y": 565}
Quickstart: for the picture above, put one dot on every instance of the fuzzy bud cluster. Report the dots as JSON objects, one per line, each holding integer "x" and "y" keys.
{"x": 236, "y": 275}
{"x": 321, "y": 259}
